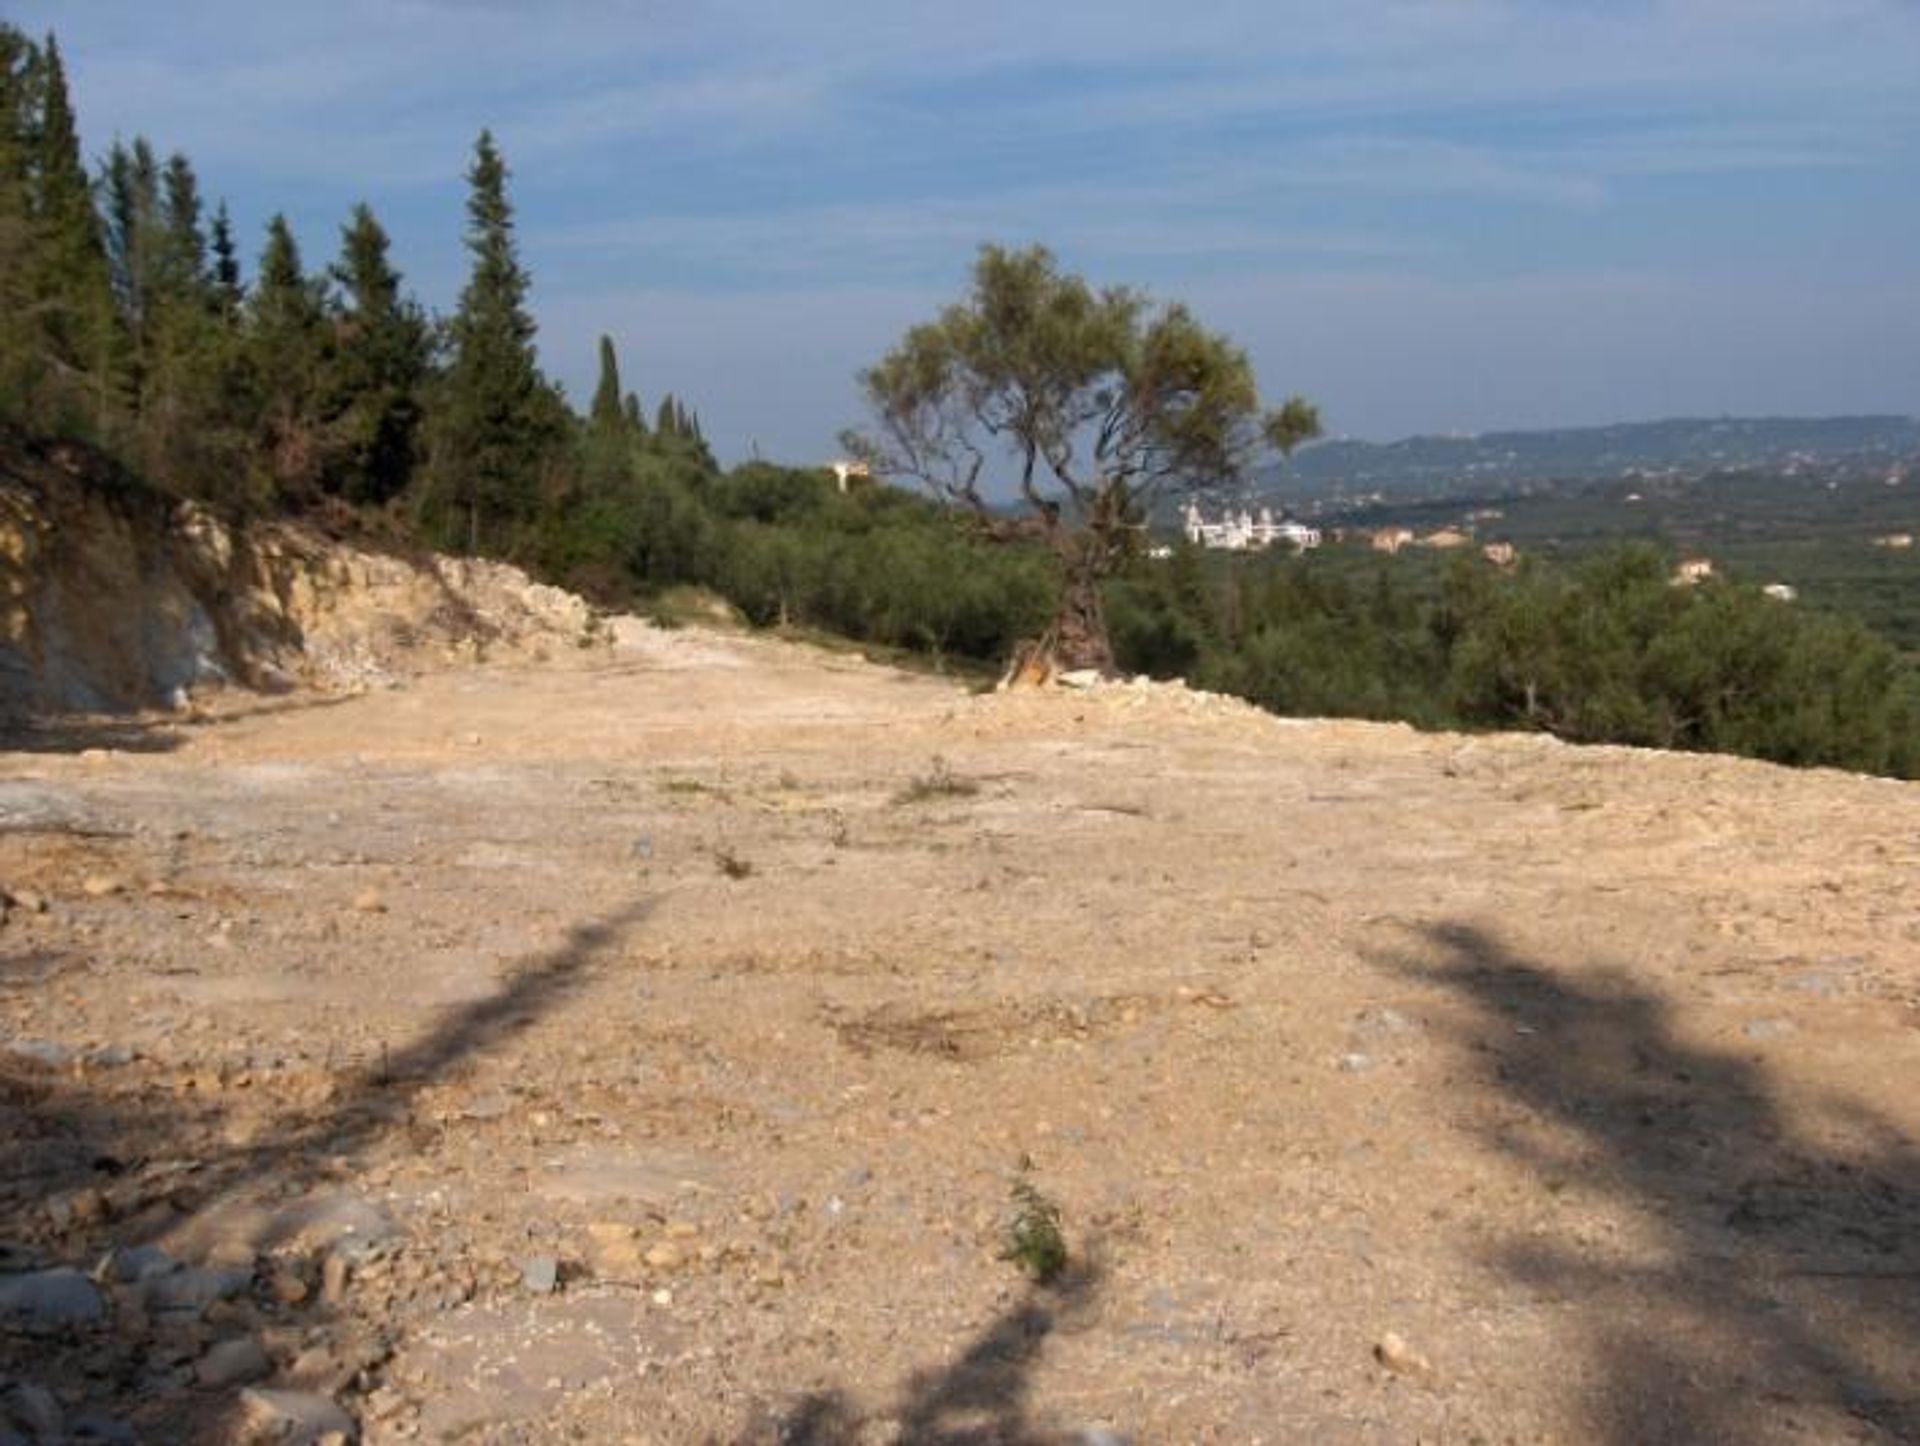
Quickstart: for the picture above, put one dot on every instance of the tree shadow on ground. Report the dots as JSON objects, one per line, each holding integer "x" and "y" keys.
{"x": 981, "y": 1399}
{"x": 1775, "y": 1287}
{"x": 77, "y": 733}
{"x": 73, "y": 1129}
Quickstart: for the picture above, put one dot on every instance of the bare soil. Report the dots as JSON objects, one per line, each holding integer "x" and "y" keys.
{"x": 1392, "y": 1087}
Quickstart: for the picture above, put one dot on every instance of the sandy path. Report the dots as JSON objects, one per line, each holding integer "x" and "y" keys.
{"x": 1590, "y": 1075}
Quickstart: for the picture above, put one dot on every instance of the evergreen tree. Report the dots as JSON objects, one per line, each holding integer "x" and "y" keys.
{"x": 183, "y": 263}
{"x": 608, "y": 415}
{"x": 71, "y": 294}
{"x": 498, "y": 421}
{"x": 380, "y": 369}
{"x": 666, "y": 421}
{"x": 18, "y": 367}
{"x": 635, "y": 417}
{"x": 131, "y": 183}
{"x": 227, "y": 290}
{"x": 287, "y": 345}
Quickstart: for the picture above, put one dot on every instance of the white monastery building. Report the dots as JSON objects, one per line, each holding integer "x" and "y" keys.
{"x": 1242, "y": 531}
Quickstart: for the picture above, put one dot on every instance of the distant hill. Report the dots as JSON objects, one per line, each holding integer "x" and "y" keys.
{"x": 1493, "y": 461}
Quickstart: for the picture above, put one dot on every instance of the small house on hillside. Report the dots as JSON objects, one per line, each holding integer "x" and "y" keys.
{"x": 1899, "y": 540}
{"x": 1500, "y": 554}
{"x": 1446, "y": 537}
{"x": 1390, "y": 539}
{"x": 1692, "y": 570}
{"x": 845, "y": 473}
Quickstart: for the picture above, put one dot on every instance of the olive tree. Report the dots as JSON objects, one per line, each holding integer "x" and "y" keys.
{"x": 1080, "y": 408}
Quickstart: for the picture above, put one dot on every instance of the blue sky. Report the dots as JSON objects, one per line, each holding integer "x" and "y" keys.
{"x": 1427, "y": 215}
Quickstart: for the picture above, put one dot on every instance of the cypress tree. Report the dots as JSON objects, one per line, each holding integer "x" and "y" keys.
{"x": 607, "y": 414}
{"x": 666, "y": 418}
{"x": 634, "y": 416}
{"x": 498, "y": 419}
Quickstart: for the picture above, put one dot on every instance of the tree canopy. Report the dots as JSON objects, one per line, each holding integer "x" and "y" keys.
{"x": 1094, "y": 402}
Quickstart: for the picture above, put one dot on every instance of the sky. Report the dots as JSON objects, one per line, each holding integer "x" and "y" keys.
{"x": 1425, "y": 215}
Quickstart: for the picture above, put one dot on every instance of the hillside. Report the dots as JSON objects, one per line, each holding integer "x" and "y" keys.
{"x": 639, "y": 1045}
{"x": 1481, "y": 464}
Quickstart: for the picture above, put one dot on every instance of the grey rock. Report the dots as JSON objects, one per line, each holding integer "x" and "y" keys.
{"x": 1768, "y": 1028}
{"x": 36, "y": 1410}
{"x": 99, "y": 1426}
{"x": 50, "y": 1053}
{"x": 295, "y": 1418}
{"x": 197, "y": 1287}
{"x": 540, "y": 1274}
{"x": 110, "y": 1056}
{"x": 139, "y": 1263}
{"x": 1101, "y": 1436}
{"x": 234, "y": 1363}
{"x": 1378, "y": 1022}
{"x": 1356, "y": 1063}
{"x": 48, "y": 1299}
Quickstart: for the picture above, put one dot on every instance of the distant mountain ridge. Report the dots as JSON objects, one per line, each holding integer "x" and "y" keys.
{"x": 1433, "y": 465}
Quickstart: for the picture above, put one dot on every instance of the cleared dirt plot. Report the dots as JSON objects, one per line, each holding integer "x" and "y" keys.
{"x": 643, "y": 1046}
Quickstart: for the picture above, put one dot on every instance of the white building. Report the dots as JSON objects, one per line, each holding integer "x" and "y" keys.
{"x": 1242, "y": 531}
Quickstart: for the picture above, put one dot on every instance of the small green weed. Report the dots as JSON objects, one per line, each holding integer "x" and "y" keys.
{"x": 940, "y": 781}
{"x": 1034, "y": 1240}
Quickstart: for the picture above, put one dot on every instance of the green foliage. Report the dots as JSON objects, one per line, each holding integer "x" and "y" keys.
{"x": 1034, "y": 1240}
{"x": 1095, "y": 400}
{"x": 382, "y": 356}
{"x": 1608, "y": 651}
{"x": 608, "y": 415}
{"x": 498, "y": 422}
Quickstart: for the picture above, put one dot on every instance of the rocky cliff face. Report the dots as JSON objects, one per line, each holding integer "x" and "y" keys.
{"x": 113, "y": 597}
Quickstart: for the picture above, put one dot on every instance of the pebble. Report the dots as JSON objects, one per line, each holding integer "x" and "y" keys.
{"x": 333, "y": 1278}
{"x": 1356, "y": 1063}
{"x": 139, "y": 1263}
{"x": 295, "y": 1418}
{"x": 37, "y": 1409}
{"x": 233, "y": 1363}
{"x": 1396, "y": 1355}
{"x": 665, "y": 1256}
{"x": 100, "y": 886}
{"x": 85, "y": 1426}
{"x": 48, "y": 1052}
{"x": 1768, "y": 1028}
{"x": 29, "y": 900}
{"x": 45, "y": 1300}
{"x": 540, "y": 1274}
{"x": 196, "y": 1287}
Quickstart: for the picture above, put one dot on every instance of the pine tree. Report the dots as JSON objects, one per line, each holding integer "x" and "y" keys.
{"x": 380, "y": 368}
{"x": 19, "y": 369}
{"x": 183, "y": 262}
{"x": 227, "y": 289}
{"x": 634, "y": 415}
{"x": 498, "y": 420}
{"x": 666, "y": 420}
{"x": 71, "y": 293}
{"x": 287, "y": 343}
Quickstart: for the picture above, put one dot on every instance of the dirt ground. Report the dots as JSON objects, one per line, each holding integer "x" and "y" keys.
{"x": 642, "y": 1046}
